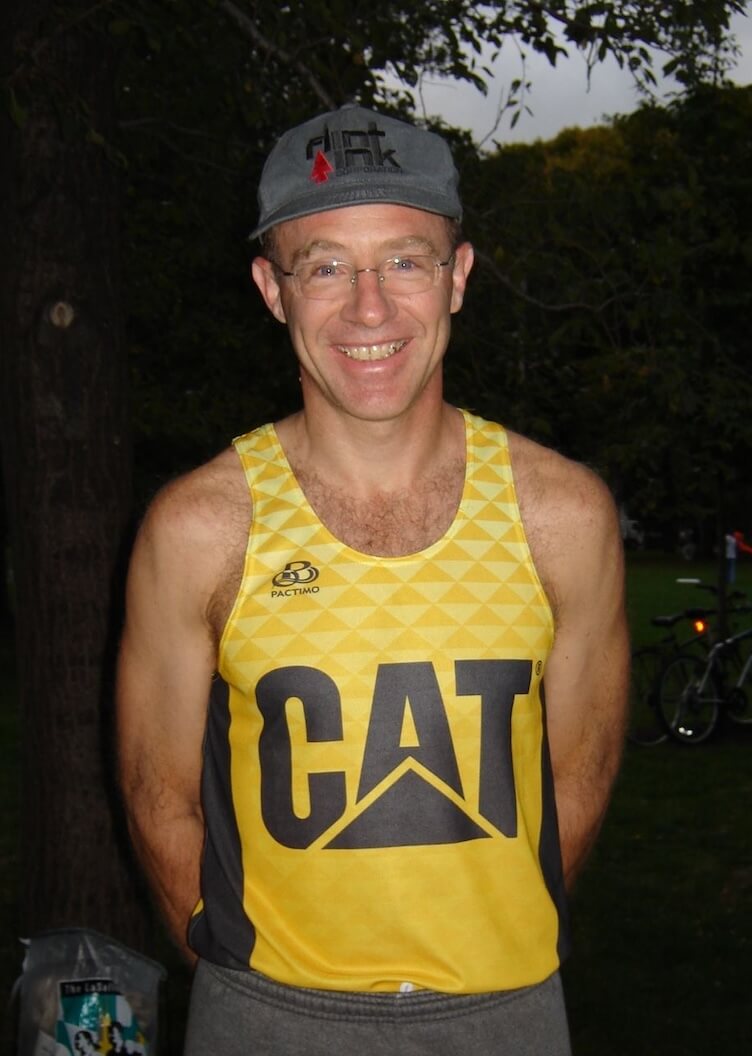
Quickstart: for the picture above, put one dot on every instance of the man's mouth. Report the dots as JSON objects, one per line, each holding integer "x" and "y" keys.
{"x": 370, "y": 352}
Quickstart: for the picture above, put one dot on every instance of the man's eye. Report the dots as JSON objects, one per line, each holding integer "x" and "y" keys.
{"x": 330, "y": 269}
{"x": 414, "y": 267}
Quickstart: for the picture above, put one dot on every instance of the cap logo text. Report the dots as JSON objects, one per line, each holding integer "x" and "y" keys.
{"x": 351, "y": 150}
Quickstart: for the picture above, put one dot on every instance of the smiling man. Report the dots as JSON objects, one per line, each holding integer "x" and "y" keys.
{"x": 356, "y": 806}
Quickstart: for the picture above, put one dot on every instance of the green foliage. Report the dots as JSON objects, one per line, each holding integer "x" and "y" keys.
{"x": 17, "y": 112}
{"x": 615, "y": 278}
{"x": 205, "y": 86}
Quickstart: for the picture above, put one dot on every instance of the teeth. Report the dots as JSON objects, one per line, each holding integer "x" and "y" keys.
{"x": 363, "y": 352}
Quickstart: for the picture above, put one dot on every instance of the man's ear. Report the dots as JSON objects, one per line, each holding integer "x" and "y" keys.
{"x": 265, "y": 278}
{"x": 463, "y": 262}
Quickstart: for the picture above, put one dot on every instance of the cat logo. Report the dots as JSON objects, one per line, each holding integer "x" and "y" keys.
{"x": 406, "y": 795}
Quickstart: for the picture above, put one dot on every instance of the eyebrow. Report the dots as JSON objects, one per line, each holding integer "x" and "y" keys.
{"x": 412, "y": 242}
{"x": 395, "y": 246}
{"x": 315, "y": 246}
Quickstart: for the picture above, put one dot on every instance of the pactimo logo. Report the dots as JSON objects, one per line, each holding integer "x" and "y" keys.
{"x": 351, "y": 150}
{"x": 295, "y": 578}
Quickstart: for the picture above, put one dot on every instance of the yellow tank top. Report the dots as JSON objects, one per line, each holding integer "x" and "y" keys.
{"x": 376, "y": 785}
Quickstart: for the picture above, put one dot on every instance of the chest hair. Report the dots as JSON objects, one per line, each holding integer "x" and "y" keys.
{"x": 386, "y": 524}
{"x": 389, "y": 523}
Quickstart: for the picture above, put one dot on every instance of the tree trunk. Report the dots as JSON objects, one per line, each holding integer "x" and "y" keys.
{"x": 67, "y": 462}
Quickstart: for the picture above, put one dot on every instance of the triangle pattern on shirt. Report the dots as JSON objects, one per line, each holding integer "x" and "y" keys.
{"x": 410, "y": 812}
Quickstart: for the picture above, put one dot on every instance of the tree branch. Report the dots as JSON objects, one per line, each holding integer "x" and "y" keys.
{"x": 249, "y": 27}
{"x": 155, "y": 128}
{"x": 489, "y": 262}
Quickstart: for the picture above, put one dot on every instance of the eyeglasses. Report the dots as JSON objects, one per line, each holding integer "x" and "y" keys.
{"x": 328, "y": 280}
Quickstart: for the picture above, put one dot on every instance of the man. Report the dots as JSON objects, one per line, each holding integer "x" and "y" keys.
{"x": 334, "y": 749}
{"x": 735, "y": 544}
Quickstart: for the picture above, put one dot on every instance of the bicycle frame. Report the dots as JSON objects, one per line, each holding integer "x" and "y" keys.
{"x": 694, "y": 693}
{"x": 747, "y": 665}
{"x": 715, "y": 663}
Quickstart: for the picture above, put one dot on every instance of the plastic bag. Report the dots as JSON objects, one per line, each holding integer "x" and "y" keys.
{"x": 84, "y": 994}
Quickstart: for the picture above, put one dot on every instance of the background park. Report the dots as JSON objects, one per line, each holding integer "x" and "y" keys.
{"x": 608, "y": 316}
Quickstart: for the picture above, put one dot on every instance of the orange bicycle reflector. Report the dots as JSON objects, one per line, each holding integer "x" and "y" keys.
{"x": 700, "y": 626}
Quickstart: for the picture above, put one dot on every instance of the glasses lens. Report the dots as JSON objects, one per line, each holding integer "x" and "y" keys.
{"x": 324, "y": 279}
{"x": 408, "y": 274}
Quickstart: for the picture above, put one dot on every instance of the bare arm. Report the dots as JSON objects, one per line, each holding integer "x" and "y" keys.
{"x": 577, "y": 547}
{"x": 166, "y": 663}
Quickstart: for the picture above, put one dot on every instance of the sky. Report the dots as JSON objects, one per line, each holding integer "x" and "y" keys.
{"x": 560, "y": 96}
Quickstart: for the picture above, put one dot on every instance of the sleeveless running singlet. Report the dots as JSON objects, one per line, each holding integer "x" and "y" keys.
{"x": 376, "y": 787}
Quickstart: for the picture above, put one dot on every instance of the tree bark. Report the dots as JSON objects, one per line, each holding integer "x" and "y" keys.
{"x": 67, "y": 461}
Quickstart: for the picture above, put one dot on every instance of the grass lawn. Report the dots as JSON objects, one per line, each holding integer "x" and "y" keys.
{"x": 653, "y": 589}
{"x": 661, "y": 916}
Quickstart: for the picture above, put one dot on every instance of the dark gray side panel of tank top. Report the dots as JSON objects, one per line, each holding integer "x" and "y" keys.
{"x": 221, "y": 932}
{"x": 549, "y": 849}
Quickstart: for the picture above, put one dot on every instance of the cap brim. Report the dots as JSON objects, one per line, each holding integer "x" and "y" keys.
{"x": 319, "y": 202}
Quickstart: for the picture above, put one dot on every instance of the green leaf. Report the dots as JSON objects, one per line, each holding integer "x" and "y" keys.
{"x": 118, "y": 27}
{"x": 19, "y": 114}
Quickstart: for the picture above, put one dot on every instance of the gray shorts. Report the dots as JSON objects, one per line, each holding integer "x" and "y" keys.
{"x": 238, "y": 1013}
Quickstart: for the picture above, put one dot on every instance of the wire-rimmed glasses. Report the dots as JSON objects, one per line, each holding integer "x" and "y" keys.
{"x": 328, "y": 280}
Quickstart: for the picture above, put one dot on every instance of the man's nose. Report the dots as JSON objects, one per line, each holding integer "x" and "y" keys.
{"x": 368, "y": 303}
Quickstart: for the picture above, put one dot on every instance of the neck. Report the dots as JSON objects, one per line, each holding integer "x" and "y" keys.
{"x": 369, "y": 457}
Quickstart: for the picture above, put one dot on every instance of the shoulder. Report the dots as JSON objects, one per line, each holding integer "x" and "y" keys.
{"x": 550, "y": 485}
{"x": 194, "y": 534}
{"x": 570, "y": 519}
{"x": 201, "y": 500}
{"x": 200, "y": 503}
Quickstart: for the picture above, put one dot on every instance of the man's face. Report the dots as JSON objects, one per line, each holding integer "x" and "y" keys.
{"x": 369, "y": 353}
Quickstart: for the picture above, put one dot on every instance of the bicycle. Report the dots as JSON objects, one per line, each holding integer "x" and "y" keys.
{"x": 645, "y": 727}
{"x": 693, "y": 694}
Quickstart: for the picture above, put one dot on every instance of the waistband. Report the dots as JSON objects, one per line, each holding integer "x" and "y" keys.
{"x": 410, "y": 1006}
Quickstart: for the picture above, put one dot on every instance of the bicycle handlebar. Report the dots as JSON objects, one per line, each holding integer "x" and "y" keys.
{"x": 687, "y": 614}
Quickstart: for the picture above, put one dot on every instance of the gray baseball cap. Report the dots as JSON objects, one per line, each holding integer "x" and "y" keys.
{"x": 354, "y": 156}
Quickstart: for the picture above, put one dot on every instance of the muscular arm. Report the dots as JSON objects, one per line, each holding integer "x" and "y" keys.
{"x": 166, "y": 663}
{"x": 574, "y": 536}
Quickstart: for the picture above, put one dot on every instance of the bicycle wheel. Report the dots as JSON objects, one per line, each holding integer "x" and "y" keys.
{"x": 689, "y": 716}
{"x": 739, "y": 699}
{"x": 739, "y": 705}
{"x": 645, "y": 726}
